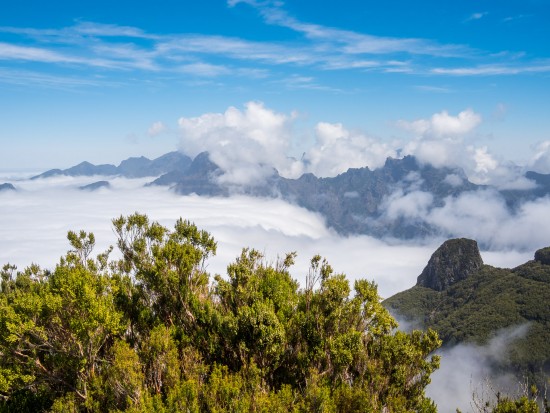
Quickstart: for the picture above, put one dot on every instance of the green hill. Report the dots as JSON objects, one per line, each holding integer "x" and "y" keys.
{"x": 466, "y": 301}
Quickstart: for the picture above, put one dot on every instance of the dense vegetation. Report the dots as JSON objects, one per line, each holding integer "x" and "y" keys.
{"x": 152, "y": 332}
{"x": 475, "y": 309}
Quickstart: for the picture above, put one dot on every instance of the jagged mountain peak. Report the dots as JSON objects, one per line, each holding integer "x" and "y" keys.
{"x": 453, "y": 261}
{"x": 543, "y": 256}
{"x": 7, "y": 187}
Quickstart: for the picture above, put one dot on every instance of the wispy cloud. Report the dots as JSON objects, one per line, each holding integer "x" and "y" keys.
{"x": 514, "y": 18}
{"x": 38, "y": 79}
{"x": 115, "y": 49}
{"x": 350, "y": 42}
{"x": 493, "y": 70}
{"x": 475, "y": 16}
{"x": 433, "y": 89}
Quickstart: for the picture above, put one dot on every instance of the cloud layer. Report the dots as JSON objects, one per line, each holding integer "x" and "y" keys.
{"x": 35, "y": 219}
{"x": 34, "y": 222}
{"x": 249, "y": 143}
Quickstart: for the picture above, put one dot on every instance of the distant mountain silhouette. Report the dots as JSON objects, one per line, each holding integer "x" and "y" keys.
{"x": 7, "y": 187}
{"x": 354, "y": 202}
{"x": 95, "y": 186}
{"x": 129, "y": 168}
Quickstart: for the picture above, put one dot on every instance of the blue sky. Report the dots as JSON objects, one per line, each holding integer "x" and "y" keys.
{"x": 102, "y": 80}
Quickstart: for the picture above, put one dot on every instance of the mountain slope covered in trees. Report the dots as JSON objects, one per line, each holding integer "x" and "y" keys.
{"x": 466, "y": 301}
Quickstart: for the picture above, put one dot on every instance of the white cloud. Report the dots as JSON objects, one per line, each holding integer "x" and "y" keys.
{"x": 338, "y": 149}
{"x": 440, "y": 141}
{"x": 37, "y": 54}
{"x": 443, "y": 125}
{"x": 202, "y": 69}
{"x": 541, "y": 159}
{"x": 35, "y": 219}
{"x": 454, "y": 180}
{"x": 156, "y": 129}
{"x": 476, "y": 16}
{"x": 494, "y": 69}
{"x": 411, "y": 205}
{"x": 246, "y": 144}
{"x": 350, "y": 42}
{"x": 484, "y": 216}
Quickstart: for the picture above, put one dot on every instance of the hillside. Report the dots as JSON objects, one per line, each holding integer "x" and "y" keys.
{"x": 466, "y": 301}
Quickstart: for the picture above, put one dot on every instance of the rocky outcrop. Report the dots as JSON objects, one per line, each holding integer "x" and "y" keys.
{"x": 543, "y": 256}
{"x": 454, "y": 260}
{"x": 7, "y": 187}
{"x": 95, "y": 186}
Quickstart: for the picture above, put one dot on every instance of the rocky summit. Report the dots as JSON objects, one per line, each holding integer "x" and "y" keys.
{"x": 543, "y": 256}
{"x": 7, "y": 187}
{"x": 453, "y": 261}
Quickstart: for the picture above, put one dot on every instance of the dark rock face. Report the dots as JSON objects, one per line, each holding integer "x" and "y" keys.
{"x": 454, "y": 260}
{"x": 7, "y": 187}
{"x": 543, "y": 256}
{"x": 96, "y": 185}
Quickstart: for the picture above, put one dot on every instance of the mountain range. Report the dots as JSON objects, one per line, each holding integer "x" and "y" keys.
{"x": 354, "y": 202}
{"x": 135, "y": 167}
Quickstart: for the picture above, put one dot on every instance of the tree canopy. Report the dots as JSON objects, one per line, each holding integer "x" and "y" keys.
{"x": 151, "y": 330}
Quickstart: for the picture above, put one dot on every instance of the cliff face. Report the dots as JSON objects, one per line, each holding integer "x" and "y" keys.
{"x": 543, "y": 256}
{"x": 454, "y": 260}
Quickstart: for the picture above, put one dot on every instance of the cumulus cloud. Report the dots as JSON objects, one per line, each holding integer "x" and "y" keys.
{"x": 541, "y": 159}
{"x": 249, "y": 144}
{"x": 337, "y": 149}
{"x": 440, "y": 141}
{"x": 246, "y": 144}
{"x": 443, "y": 125}
{"x": 482, "y": 215}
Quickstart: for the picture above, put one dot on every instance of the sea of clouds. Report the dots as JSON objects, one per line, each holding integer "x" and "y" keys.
{"x": 34, "y": 221}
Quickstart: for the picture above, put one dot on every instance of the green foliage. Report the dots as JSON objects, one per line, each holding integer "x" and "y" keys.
{"x": 151, "y": 332}
{"x": 474, "y": 309}
{"x": 521, "y": 405}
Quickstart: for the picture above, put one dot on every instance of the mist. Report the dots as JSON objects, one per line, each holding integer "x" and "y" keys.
{"x": 466, "y": 376}
{"x": 35, "y": 220}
